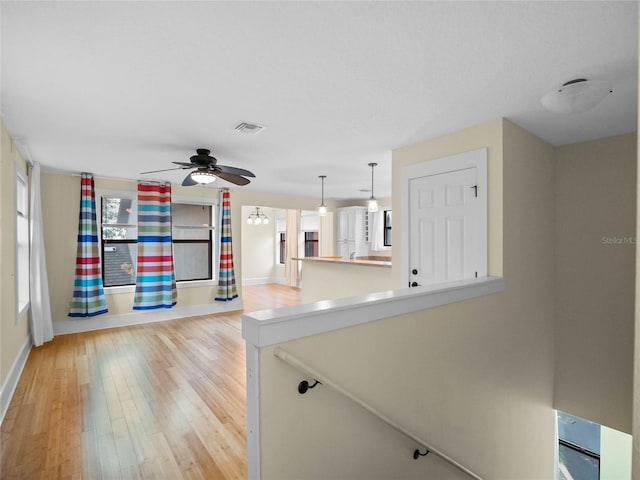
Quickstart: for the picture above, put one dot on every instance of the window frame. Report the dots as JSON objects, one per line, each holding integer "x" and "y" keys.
{"x": 386, "y": 227}
{"x": 282, "y": 245}
{"x": 209, "y": 240}
{"x": 103, "y": 243}
{"x": 22, "y": 307}
{"x": 133, "y": 195}
{"x": 311, "y": 243}
{"x": 280, "y": 240}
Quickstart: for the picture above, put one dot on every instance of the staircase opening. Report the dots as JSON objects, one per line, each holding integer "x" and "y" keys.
{"x": 589, "y": 451}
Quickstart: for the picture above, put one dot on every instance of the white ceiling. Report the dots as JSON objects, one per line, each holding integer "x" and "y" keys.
{"x": 118, "y": 88}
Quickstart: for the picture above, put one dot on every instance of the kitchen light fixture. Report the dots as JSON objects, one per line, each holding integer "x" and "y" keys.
{"x": 372, "y": 205}
{"x": 322, "y": 208}
{"x": 576, "y": 96}
{"x": 257, "y": 218}
{"x": 202, "y": 177}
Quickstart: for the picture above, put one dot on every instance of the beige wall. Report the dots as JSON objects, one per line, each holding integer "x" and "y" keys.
{"x": 636, "y": 355}
{"x": 328, "y": 281}
{"x": 595, "y": 233}
{"x": 241, "y": 198}
{"x": 327, "y": 238}
{"x": 475, "y": 378}
{"x": 487, "y": 135}
{"x": 60, "y": 199}
{"x": 259, "y": 246}
{"x": 13, "y": 331}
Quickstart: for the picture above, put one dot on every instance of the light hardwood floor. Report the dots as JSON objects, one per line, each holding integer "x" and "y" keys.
{"x": 163, "y": 400}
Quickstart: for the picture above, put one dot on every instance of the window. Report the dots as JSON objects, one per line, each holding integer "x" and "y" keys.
{"x": 119, "y": 240}
{"x": 310, "y": 244}
{"x": 579, "y": 448}
{"x": 192, "y": 240}
{"x": 387, "y": 228}
{"x": 281, "y": 238}
{"x": 310, "y": 228}
{"x": 282, "y": 254}
{"x": 22, "y": 241}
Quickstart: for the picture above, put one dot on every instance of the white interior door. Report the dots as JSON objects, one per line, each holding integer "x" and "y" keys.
{"x": 444, "y": 213}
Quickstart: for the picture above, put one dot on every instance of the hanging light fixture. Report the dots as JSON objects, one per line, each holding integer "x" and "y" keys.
{"x": 322, "y": 208}
{"x": 372, "y": 205}
{"x": 257, "y": 218}
{"x": 202, "y": 177}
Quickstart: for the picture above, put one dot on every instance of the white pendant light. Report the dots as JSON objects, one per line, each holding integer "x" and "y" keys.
{"x": 576, "y": 96}
{"x": 202, "y": 177}
{"x": 322, "y": 208}
{"x": 372, "y": 204}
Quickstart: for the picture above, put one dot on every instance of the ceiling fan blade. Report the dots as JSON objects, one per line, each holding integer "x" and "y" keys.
{"x": 234, "y": 170}
{"x": 165, "y": 170}
{"x": 185, "y": 165}
{"x": 188, "y": 181}
{"x": 230, "y": 177}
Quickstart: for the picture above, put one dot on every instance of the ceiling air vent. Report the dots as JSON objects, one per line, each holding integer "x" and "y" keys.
{"x": 250, "y": 128}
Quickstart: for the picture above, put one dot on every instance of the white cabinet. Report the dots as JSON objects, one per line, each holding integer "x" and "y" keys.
{"x": 351, "y": 232}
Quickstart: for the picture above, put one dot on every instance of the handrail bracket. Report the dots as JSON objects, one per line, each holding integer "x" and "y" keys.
{"x": 303, "y": 386}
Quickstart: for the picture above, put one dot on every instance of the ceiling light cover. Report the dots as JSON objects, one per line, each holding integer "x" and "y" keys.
{"x": 576, "y": 96}
{"x": 203, "y": 177}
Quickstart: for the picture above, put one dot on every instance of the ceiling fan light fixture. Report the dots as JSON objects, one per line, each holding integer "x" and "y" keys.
{"x": 203, "y": 177}
{"x": 576, "y": 96}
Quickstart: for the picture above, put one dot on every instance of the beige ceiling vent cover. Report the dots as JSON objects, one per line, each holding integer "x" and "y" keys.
{"x": 250, "y": 128}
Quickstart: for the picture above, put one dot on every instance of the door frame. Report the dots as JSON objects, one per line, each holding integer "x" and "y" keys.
{"x": 451, "y": 163}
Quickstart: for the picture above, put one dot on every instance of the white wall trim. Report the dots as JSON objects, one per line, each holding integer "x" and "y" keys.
{"x": 264, "y": 281}
{"x": 268, "y": 327}
{"x": 101, "y": 322}
{"x": 10, "y": 384}
{"x": 253, "y": 412}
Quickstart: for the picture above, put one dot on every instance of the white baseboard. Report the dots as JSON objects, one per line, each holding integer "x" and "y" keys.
{"x": 101, "y": 322}
{"x": 264, "y": 281}
{"x": 9, "y": 387}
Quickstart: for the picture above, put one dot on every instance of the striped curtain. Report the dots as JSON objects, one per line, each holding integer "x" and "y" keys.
{"x": 88, "y": 293}
{"x": 155, "y": 279}
{"x": 226, "y": 276}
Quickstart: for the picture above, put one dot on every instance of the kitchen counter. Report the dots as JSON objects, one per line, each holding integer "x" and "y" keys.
{"x": 372, "y": 261}
{"x": 328, "y": 278}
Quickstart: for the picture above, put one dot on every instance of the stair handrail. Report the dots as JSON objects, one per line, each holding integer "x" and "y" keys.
{"x": 309, "y": 371}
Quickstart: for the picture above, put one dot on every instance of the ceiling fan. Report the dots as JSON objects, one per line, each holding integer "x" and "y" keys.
{"x": 206, "y": 169}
